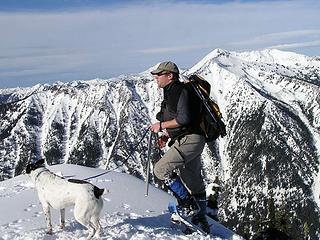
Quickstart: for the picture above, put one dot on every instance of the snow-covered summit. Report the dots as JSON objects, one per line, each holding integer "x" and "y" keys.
{"x": 267, "y": 56}
{"x": 127, "y": 212}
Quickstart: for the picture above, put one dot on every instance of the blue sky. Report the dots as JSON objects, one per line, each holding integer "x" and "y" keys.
{"x": 44, "y": 41}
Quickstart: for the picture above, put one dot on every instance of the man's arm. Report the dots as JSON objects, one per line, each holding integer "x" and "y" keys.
{"x": 158, "y": 126}
{"x": 183, "y": 115}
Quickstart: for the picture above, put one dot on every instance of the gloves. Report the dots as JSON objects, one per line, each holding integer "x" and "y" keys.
{"x": 162, "y": 141}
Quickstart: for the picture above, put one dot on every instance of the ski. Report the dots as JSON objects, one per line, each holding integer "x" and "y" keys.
{"x": 178, "y": 219}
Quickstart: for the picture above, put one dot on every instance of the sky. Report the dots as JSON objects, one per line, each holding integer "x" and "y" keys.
{"x": 45, "y": 41}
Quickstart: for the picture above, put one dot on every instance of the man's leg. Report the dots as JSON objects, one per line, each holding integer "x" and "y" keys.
{"x": 191, "y": 176}
{"x": 183, "y": 155}
{"x": 164, "y": 171}
{"x": 190, "y": 149}
{"x": 170, "y": 161}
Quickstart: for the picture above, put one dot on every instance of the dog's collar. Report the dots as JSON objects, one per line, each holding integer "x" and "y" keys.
{"x": 38, "y": 174}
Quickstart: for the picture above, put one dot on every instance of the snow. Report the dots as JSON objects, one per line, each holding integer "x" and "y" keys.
{"x": 127, "y": 212}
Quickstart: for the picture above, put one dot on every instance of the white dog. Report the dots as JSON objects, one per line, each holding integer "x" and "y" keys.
{"x": 59, "y": 193}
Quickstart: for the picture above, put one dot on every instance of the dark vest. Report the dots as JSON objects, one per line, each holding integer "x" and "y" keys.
{"x": 168, "y": 110}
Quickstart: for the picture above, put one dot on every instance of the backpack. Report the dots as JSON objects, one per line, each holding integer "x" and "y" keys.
{"x": 211, "y": 118}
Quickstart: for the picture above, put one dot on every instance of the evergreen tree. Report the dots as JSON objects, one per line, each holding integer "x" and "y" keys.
{"x": 306, "y": 231}
{"x": 283, "y": 219}
{"x": 271, "y": 218}
{"x": 246, "y": 232}
{"x": 277, "y": 221}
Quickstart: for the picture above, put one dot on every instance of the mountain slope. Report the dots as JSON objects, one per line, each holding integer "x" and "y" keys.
{"x": 82, "y": 122}
{"x": 127, "y": 212}
{"x": 270, "y": 102}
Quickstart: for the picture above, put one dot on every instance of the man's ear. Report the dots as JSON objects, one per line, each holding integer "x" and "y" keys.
{"x": 170, "y": 75}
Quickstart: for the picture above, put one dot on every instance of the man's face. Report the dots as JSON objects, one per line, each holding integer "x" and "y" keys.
{"x": 163, "y": 78}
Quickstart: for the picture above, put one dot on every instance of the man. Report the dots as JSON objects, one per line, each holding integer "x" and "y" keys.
{"x": 180, "y": 167}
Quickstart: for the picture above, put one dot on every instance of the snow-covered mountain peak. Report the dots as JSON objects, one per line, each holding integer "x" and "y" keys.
{"x": 229, "y": 59}
{"x": 279, "y": 57}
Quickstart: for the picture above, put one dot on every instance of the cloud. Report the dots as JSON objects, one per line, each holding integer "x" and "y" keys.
{"x": 290, "y": 34}
{"x": 279, "y": 36}
{"x": 297, "y": 45}
{"x": 174, "y": 49}
{"x": 106, "y": 42}
{"x": 38, "y": 52}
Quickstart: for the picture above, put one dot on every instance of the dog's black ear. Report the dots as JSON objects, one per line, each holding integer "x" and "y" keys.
{"x": 34, "y": 166}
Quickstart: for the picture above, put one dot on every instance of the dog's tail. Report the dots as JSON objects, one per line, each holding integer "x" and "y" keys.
{"x": 97, "y": 192}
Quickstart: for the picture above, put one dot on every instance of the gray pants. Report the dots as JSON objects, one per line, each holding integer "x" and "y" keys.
{"x": 185, "y": 156}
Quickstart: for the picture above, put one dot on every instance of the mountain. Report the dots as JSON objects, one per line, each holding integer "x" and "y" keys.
{"x": 271, "y": 103}
{"x": 268, "y": 162}
{"x": 127, "y": 212}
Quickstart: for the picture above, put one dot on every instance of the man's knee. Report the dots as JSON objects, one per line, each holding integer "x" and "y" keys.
{"x": 160, "y": 171}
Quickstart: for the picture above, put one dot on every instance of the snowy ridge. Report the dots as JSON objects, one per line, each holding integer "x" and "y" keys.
{"x": 269, "y": 100}
{"x": 124, "y": 216}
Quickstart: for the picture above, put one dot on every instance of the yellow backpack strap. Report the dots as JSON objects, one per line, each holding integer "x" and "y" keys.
{"x": 216, "y": 108}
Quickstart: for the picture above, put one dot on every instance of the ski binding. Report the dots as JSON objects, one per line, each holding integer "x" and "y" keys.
{"x": 180, "y": 220}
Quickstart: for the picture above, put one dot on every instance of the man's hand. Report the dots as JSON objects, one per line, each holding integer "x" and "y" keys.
{"x": 155, "y": 127}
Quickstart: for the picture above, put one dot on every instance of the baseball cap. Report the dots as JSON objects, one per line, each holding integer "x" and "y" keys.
{"x": 166, "y": 66}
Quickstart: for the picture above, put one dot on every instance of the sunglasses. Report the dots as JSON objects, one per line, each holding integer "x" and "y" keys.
{"x": 161, "y": 73}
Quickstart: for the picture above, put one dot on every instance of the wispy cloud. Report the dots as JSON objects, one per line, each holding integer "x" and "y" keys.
{"x": 279, "y": 36}
{"x": 297, "y": 45}
{"x": 38, "y": 52}
{"x": 174, "y": 49}
{"x": 103, "y": 42}
{"x": 290, "y": 34}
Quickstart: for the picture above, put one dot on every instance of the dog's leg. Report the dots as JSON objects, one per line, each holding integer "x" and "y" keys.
{"x": 89, "y": 226}
{"x": 95, "y": 218}
{"x": 93, "y": 231}
{"x": 62, "y": 218}
{"x": 46, "y": 210}
{"x": 95, "y": 222}
{"x": 82, "y": 219}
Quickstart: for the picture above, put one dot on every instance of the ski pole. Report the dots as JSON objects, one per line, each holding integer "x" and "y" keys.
{"x": 148, "y": 165}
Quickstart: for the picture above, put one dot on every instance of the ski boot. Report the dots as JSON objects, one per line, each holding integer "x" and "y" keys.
{"x": 187, "y": 204}
{"x": 200, "y": 219}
